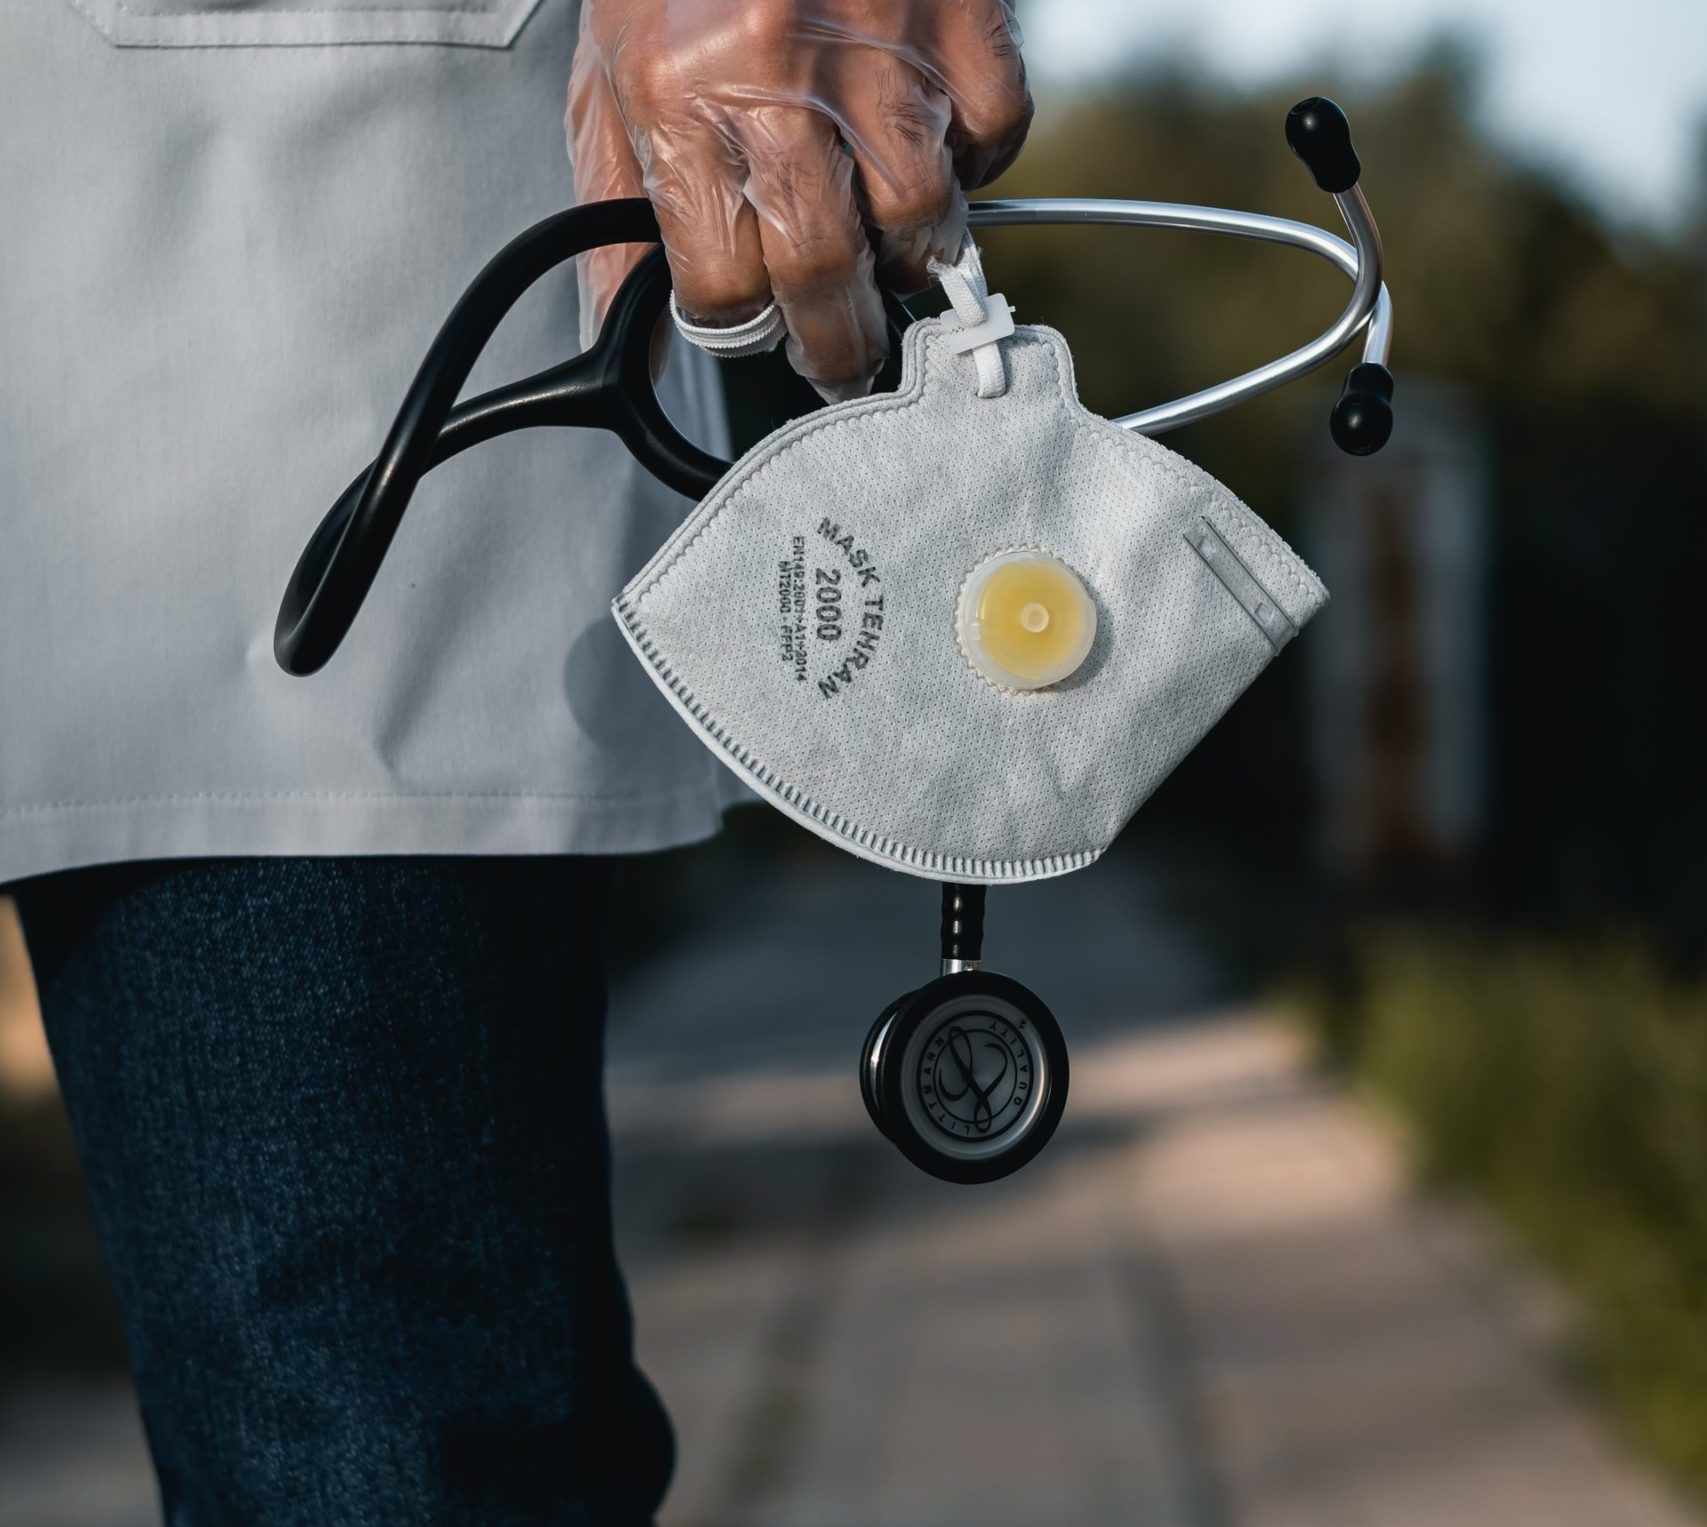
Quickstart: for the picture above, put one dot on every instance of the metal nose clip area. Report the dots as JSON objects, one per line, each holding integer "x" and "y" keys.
{"x": 967, "y": 1075}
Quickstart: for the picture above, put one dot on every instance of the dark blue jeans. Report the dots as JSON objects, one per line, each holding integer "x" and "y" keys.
{"x": 343, "y": 1131}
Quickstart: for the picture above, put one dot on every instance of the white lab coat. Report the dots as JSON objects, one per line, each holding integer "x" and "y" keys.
{"x": 227, "y": 234}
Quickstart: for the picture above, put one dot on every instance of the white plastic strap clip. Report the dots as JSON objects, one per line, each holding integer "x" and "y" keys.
{"x": 985, "y": 317}
{"x": 998, "y": 324}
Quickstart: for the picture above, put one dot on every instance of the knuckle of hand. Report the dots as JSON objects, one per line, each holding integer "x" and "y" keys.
{"x": 649, "y": 85}
{"x": 1000, "y": 118}
{"x": 770, "y": 26}
{"x": 999, "y": 32}
{"x": 812, "y": 265}
{"x": 921, "y": 203}
{"x": 720, "y": 298}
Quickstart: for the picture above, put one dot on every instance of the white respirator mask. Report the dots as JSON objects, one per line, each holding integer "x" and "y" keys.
{"x": 961, "y": 629}
{"x": 965, "y": 628}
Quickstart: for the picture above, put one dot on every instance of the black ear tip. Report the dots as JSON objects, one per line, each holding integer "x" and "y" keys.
{"x": 1362, "y": 420}
{"x": 1318, "y": 133}
{"x": 1361, "y": 425}
{"x": 1316, "y": 120}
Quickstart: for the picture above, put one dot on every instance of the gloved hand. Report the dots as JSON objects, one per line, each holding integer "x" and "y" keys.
{"x": 767, "y": 133}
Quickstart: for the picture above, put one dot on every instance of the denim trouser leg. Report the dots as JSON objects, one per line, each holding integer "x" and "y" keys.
{"x": 343, "y": 1132}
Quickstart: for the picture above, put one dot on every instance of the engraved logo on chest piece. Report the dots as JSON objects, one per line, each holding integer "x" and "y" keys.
{"x": 976, "y": 1075}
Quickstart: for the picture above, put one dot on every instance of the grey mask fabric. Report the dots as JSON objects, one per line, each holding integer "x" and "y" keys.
{"x": 811, "y": 619}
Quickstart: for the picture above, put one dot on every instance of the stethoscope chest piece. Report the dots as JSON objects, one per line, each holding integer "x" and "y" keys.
{"x": 967, "y": 1075}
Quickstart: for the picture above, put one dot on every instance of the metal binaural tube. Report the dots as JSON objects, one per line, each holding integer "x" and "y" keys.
{"x": 1360, "y": 260}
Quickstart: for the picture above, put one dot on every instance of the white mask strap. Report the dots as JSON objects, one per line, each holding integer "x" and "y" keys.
{"x": 760, "y": 333}
{"x": 985, "y": 317}
{"x": 985, "y": 320}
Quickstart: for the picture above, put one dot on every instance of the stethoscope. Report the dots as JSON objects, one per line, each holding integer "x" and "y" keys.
{"x": 980, "y": 1036}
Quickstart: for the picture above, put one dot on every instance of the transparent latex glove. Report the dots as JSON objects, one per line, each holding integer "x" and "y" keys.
{"x": 769, "y": 133}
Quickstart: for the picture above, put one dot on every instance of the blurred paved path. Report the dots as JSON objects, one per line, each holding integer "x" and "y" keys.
{"x": 1209, "y": 1303}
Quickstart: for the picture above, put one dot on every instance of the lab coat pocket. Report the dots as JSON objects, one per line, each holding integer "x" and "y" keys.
{"x": 305, "y": 23}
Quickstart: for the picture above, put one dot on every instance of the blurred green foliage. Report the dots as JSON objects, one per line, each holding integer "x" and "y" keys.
{"x": 1568, "y": 1085}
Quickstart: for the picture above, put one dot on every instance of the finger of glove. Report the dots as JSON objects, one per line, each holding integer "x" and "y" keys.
{"x": 896, "y": 122}
{"x": 710, "y": 233}
{"x": 800, "y": 182}
{"x": 604, "y": 167}
{"x": 975, "y": 48}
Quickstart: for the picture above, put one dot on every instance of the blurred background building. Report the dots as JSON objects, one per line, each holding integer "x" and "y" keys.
{"x": 1467, "y": 880}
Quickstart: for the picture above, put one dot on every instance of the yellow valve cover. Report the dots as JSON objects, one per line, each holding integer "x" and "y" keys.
{"x": 1025, "y": 620}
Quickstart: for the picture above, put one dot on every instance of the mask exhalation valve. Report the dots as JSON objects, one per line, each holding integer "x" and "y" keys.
{"x": 1025, "y": 620}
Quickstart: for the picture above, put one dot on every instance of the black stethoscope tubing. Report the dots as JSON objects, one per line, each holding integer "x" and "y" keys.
{"x": 608, "y": 386}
